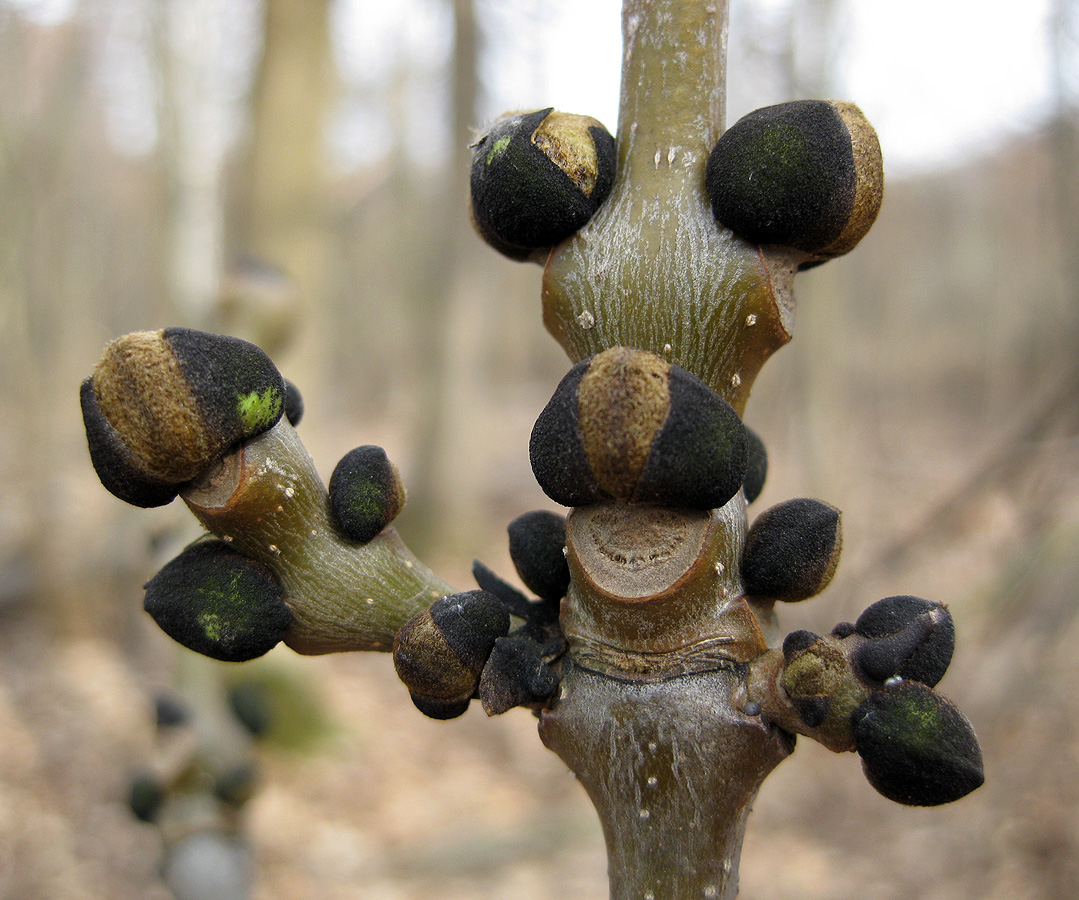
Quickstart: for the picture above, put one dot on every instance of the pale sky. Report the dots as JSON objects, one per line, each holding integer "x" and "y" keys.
{"x": 938, "y": 78}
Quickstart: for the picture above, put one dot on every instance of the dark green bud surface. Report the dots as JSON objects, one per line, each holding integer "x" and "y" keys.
{"x": 366, "y": 493}
{"x": 218, "y": 602}
{"x": 537, "y": 548}
{"x": 440, "y": 653}
{"x": 162, "y": 407}
{"x": 537, "y": 178}
{"x": 792, "y": 550}
{"x": 908, "y": 637}
{"x": 917, "y": 748}
{"x": 806, "y": 174}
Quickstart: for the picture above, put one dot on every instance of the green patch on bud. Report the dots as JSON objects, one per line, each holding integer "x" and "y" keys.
{"x": 259, "y": 411}
{"x": 917, "y": 748}
{"x": 497, "y": 146}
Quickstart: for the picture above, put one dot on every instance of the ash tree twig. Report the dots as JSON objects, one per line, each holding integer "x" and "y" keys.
{"x": 652, "y": 652}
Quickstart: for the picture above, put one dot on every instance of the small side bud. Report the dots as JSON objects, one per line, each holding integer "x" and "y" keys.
{"x": 170, "y": 712}
{"x": 516, "y": 675}
{"x": 293, "y": 403}
{"x": 817, "y": 679}
{"x": 537, "y": 542}
{"x": 792, "y": 550}
{"x": 917, "y": 748}
{"x": 626, "y": 425}
{"x": 163, "y": 406}
{"x": 219, "y": 603}
{"x": 366, "y": 493}
{"x": 252, "y": 706}
{"x": 908, "y": 637}
{"x": 806, "y": 174}
{"x": 440, "y": 653}
{"x": 537, "y": 178}
{"x": 756, "y": 466}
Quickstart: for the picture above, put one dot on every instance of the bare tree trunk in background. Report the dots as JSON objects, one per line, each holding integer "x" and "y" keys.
{"x": 43, "y": 101}
{"x": 279, "y": 204}
{"x": 431, "y": 496}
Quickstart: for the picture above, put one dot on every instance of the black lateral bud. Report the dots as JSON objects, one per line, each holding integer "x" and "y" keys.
{"x": 907, "y": 637}
{"x": 366, "y": 493}
{"x": 515, "y": 601}
{"x": 440, "y": 653}
{"x": 917, "y": 748}
{"x": 627, "y": 425}
{"x": 538, "y": 177}
{"x": 806, "y": 174}
{"x": 756, "y": 466}
{"x": 219, "y": 603}
{"x": 537, "y": 548}
{"x": 516, "y": 675}
{"x": 556, "y": 447}
{"x": 792, "y": 550}
{"x": 163, "y": 406}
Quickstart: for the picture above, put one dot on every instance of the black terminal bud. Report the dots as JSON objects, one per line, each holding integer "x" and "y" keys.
{"x": 366, "y": 493}
{"x": 792, "y": 550}
{"x": 537, "y": 548}
{"x": 627, "y": 425}
{"x": 907, "y": 637}
{"x": 806, "y": 174}
{"x": 163, "y": 406}
{"x": 516, "y": 675}
{"x": 440, "y": 653}
{"x": 756, "y": 466}
{"x": 219, "y": 603}
{"x": 917, "y": 748}
{"x": 538, "y": 177}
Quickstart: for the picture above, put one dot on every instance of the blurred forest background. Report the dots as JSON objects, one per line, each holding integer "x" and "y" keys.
{"x": 285, "y": 171}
